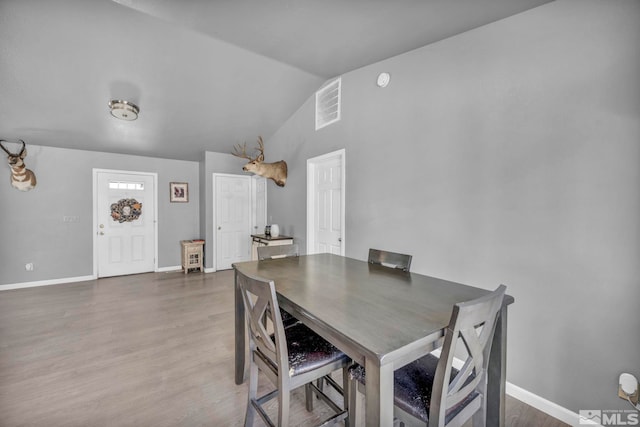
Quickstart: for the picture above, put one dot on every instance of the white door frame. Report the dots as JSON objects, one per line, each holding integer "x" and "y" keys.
{"x": 95, "y": 213}
{"x": 254, "y": 204}
{"x": 311, "y": 184}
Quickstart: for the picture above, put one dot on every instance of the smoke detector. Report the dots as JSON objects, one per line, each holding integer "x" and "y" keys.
{"x": 124, "y": 110}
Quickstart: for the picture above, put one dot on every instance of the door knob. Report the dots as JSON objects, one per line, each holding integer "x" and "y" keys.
{"x": 219, "y": 228}
{"x": 340, "y": 239}
{"x": 102, "y": 233}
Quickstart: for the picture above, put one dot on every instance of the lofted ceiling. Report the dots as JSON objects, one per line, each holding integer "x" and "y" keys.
{"x": 206, "y": 74}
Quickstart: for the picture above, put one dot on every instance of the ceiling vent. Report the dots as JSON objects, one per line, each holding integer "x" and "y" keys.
{"x": 328, "y": 104}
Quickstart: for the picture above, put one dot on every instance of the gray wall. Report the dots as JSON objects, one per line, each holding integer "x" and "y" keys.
{"x": 32, "y": 227}
{"x": 508, "y": 154}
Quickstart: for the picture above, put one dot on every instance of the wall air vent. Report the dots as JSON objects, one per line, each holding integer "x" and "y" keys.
{"x": 328, "y": 103}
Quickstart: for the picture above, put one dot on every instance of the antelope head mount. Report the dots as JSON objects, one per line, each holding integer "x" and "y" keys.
{"x": 22, "y": 178}
{"x": 275, "y": 171}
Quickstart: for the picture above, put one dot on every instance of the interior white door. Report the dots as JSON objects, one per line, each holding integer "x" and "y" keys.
{"x": 125, "y": 219}
{"x": 233, "y": 219}
{"x": 326, "y": 204}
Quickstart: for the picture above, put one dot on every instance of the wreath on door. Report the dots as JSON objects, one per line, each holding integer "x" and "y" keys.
{"x": 126, "y": 210}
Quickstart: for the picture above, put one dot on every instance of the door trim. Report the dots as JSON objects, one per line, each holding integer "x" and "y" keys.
{"x": 254, "y": 202}
{"x": 311, "y": 184}
{"x": 95, "y": 213}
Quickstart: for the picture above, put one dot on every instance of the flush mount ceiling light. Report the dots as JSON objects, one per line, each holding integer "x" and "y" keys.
{"x": 124, "y": 110}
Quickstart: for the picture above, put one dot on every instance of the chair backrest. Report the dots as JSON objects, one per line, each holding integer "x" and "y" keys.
{"x": 473, "y": 325}
{"x": 261, "y": 310}
{"x": 278, "y": 251}
{"x": 390, "y": 259}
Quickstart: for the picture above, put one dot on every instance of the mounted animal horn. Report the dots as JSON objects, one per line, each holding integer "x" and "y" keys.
{"x": 276, "y": 171}
{"x": 22, "y": 179}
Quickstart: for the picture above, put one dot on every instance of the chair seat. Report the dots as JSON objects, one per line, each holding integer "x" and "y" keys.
{"x": 412, "y": 387}
{"x": 308, "y": 351}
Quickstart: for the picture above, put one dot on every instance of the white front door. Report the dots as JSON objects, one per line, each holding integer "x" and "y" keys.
{"x": 325, "y": 200}
{"x": 232, "y": 221}
{"x": 125, "y": 221}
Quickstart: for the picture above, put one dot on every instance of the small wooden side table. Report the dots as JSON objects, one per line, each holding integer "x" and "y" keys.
{"x": 192, "y": 255}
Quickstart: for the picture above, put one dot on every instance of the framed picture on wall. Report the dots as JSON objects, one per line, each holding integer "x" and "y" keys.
{"x": 178, "y": 192}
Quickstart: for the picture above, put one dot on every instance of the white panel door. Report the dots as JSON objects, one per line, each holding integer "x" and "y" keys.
{"x": 326, "y": 204}
{"x": 125, "y": 218}
{"x": 233, "y": 219}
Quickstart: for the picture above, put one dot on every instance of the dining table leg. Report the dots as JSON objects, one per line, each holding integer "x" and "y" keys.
{"x": 379, "y": 394}
{"x": 240, "y": 332}
{"x": 497, "y": 373}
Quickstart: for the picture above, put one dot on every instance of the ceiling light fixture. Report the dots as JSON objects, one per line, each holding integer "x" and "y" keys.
{"x": 124, "y": 110}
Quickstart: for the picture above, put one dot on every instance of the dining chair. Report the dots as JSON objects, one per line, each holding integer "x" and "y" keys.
{"x": 274, "y": 252}
{"x": 289, "y": 357}
{"x": 278, "y": 251}
{"x": 430, "y": 391}
{"x": 390, "y": 259}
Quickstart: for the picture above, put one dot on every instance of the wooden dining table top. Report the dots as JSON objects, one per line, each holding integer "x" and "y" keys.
{"x": 377, "y": 309}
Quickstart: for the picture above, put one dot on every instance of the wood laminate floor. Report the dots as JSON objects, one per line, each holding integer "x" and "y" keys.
{"x": 143, "y": 350}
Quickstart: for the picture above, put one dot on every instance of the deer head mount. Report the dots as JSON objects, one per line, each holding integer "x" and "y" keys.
{"x": 275, "y": 171}
{"x": 22, "y": 178}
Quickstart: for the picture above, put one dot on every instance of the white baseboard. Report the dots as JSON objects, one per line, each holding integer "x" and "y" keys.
{"x": 79, "y": 279}
{"x": 166, "y": 269}
{"x": 544, "y": 405}
{"x": 179, "y": 268}
{"x": 46, "y": 282}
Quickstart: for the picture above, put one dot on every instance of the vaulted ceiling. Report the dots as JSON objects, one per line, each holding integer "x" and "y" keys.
{"x": 206, "y": 74}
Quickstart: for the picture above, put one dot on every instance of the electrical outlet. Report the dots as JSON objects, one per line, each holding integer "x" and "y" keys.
{"x": 628, "y": 388}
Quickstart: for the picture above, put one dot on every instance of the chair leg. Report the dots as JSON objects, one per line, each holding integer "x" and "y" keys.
{"x": 352, "y": 396}
{"x": 345, "y": 396}
{"x": 253, "y": 394}
{"x": 308, "y": 396}
{"x": 284, "y": 395}
{"x": 479, "y": 419}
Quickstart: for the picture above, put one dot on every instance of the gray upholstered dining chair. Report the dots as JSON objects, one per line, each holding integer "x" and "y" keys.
{"x": 274, "y": 252}
{"x": 289, "y": 357}
{"x": 390, "y": 259}
{"x": 430, "y": 391}
{"x": 278, "y": 251}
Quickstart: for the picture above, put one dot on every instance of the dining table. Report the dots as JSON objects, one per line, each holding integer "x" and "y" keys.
{"x": 381, "y": 317}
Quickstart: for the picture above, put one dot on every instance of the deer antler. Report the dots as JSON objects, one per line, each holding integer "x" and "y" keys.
{"x": 24, "y": 145}
{"x": 261, "y": 149}
{"x": 3, "y": 147}
{"x": 241, "y": 151}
